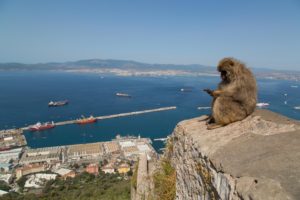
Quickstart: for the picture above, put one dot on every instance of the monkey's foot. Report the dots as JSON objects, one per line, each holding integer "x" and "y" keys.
{"x": 210, "y": 120}
{"x": 214, "y": 126}
{"x": 204, "y": 118}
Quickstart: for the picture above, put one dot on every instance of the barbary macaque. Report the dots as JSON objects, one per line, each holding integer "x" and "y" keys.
{"x": 236, "y": 96}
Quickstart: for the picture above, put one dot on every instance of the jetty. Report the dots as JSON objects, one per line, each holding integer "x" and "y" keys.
{"x": 115, "y": 115}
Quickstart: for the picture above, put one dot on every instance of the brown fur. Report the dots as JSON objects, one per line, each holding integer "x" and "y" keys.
{"x": 236, "y": 96}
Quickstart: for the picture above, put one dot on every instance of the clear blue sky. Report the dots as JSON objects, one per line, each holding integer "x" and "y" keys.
{"x": 261, "y": 33}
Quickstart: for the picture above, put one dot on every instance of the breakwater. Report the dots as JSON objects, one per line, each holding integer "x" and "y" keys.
{"x": 115, "y": 115}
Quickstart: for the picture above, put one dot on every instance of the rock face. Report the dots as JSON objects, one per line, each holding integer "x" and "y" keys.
{"x": 257, "y": 158}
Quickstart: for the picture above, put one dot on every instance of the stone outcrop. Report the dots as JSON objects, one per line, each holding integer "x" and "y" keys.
{"x": 257, "y": 158}
{"x": 144, "y": 183}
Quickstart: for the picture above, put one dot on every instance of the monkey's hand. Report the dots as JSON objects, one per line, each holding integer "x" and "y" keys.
{"x": 213, "y": 93}
{"x": 209, "y": 91}
{"x": 217, "y": 93}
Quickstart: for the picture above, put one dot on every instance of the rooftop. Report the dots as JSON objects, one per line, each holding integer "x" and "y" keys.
{"x": 126, "y": 144}
{"x": 63, "y": 171}
{"x": 84, "y": 149}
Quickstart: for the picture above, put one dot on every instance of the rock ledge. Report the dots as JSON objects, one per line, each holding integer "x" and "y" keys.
{"x": 257, "y": 158}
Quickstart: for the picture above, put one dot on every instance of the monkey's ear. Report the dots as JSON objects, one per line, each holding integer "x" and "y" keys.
{"x": 227, "y": 62}
{"x": 230, "y": 61}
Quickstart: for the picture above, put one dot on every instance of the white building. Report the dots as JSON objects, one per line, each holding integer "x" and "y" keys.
{"x": 6, "y": 178}
{"x": 7, "y": 156}
{"x": 108, "y": 169}
{"x": 47, "y": 154}
{"x": 128, "y": 143}
{"x": 143, "y": 148}
{"x": 2, "y": 192}
{"x": 63, "y": 171}
{"x": 39, "y": 180}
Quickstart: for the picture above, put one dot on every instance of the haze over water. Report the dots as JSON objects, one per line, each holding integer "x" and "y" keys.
{"x": 24, "y": 100}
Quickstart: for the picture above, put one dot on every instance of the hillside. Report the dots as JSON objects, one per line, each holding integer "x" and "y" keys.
{"x": 133, "y": 68}
{"x": 100, "y": 64}
{"x": 83, "y": 187}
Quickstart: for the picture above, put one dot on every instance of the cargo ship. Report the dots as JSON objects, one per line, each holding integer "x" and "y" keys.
{"x": 122, "y": 94}
{"x": 88, "y": 120}
{"x": 39, "y": 126}
{"x": 57, "y": 103}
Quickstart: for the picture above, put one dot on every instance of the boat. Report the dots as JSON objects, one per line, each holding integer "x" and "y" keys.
{"x": 122, "y": 94}
{"x": 294, "y": 86}
{"x": 204, "y": 108}
{"x": 297, "y": 107}
{"x": 185, "y": 89}
{"x": 261, "y": 105}
{"x": 85, "y": 120}
{"x": 57, "y": 103}
{"x": 39, "y": 126}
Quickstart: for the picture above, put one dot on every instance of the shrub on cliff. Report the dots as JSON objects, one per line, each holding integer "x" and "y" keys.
{"x": 165, "y": 181}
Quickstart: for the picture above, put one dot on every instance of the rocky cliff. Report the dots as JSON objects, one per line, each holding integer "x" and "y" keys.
{"x": 257, "y": 158}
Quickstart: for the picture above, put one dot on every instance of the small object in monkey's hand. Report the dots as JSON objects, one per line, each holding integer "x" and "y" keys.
{"x": 209, "y": 91}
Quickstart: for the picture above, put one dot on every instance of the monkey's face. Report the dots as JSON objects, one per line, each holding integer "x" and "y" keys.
{"x": 225, "y": 76}
{"x": 227, "y": 69}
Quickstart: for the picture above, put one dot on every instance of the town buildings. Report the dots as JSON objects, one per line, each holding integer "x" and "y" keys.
{"x": 123, "y": 168}
{"x": 92, "y": 168}
{"x": 116, "y": 156}
{"x": 90, "y": 151}
{"x": 49, "y": 155}
{"x": 108, "y": 169}
{"x": 12, "y": 138}
{"x": 65, "y": 173}
{"x": 38, "y": 180}
{"x": 29, "y": 169}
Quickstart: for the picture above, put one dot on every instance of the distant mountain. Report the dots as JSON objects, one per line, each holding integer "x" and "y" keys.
{"x": 133, "y": 68}
{"x": 99, "y": 63}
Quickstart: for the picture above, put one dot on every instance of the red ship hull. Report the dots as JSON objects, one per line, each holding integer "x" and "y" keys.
{"x": 41, "y": 128}
{"x": 86, "y": 121}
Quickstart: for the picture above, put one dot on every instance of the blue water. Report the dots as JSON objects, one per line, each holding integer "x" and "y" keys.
{"x": 24, "y": 97}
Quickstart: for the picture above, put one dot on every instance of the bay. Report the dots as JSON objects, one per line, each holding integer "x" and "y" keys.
{"x": 24, "y": 98}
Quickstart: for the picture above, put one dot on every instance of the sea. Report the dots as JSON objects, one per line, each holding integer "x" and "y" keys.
{"x": 24, "y": 98}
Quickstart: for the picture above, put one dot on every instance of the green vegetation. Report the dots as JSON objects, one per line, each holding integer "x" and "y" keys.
{"x": 21, "y": 182}
{"x": 134, "y": 176}
{"x": 83, "y": 187}
{"x": 4, "y": 186}
{"x": 165, "y": 181}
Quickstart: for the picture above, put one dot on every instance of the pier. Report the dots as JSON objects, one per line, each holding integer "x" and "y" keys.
{"x": 115, "y": 115}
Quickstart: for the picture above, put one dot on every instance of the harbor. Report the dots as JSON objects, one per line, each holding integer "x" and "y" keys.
{"x": 39, "y": 165}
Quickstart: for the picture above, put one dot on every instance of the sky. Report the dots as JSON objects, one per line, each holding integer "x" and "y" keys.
{"x": 263, "y": 34}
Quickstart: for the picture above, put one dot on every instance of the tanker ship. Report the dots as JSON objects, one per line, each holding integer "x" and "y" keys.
{"x": 39, "y": 126}
{"x": 88, "y": 120}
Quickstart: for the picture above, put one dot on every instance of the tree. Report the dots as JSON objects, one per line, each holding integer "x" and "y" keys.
{"x": 21, "y": 182}
{"x": 4, "y": 186}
